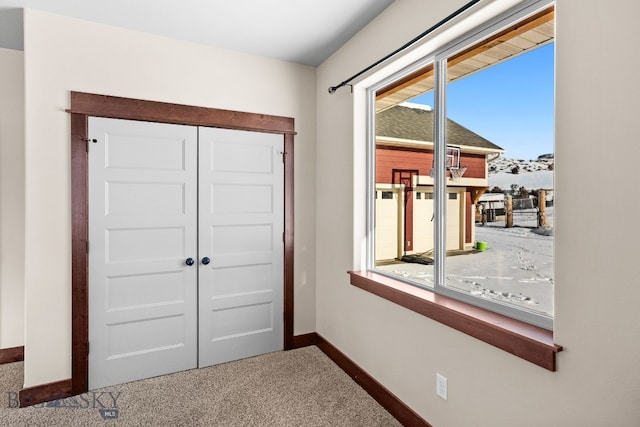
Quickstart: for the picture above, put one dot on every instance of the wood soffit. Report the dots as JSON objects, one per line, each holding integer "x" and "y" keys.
{"x": 533, "y": 32}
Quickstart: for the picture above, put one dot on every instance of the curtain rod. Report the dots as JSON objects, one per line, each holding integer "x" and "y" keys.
{"x": 333, "y": 89}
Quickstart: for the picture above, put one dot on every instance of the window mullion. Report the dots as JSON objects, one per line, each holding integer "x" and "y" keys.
{"x": 371, "y": 180}
{"x": 439, "y": 137}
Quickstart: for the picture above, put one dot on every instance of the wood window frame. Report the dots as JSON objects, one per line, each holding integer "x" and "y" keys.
{"x": 84, "y": 105}
{"x": 528, "y": 342}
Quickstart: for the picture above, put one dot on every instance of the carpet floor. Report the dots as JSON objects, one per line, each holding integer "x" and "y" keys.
{"x": 300, "y": 387}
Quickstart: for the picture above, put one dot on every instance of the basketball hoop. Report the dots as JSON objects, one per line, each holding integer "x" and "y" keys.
{"x": 456, "y": 173}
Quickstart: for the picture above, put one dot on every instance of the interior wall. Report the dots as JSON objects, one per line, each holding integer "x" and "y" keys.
{"x": 598, "y": 377}
{"x": 11, "y": 198}
{"x": 64, "y": 54}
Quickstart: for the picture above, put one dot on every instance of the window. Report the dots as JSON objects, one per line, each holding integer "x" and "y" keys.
{"x": 473, "y": 123}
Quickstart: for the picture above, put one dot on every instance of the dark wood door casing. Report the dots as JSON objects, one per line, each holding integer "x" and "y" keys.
{"x": 84, "y": 105}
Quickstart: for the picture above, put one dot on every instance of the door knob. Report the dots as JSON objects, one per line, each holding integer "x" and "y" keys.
{"x": 206, "y": 260}
{"x": 189, "y": 261}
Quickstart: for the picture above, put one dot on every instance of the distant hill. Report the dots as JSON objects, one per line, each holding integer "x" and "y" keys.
{"x": 530, "y": 174}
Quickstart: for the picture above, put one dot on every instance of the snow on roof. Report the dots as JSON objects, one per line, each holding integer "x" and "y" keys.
{"x": 415, "y": 106}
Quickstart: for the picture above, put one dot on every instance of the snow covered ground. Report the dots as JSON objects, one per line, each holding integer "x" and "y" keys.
{"x": 528, "y": 180}
{"x": 531, "y": 174}
{"x": 516, "y": 268}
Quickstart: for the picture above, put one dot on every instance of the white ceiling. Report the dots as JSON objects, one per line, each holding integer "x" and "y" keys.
{"x": 302, "y": 31}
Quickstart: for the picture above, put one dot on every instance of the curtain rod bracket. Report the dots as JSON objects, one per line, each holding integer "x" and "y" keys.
{"x": 333, "y": 89}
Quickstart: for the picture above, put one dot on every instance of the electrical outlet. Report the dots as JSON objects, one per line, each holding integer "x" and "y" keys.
{"x": 441, "y": 386}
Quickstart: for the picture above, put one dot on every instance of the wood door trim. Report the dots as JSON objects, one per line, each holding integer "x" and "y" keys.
{"x": 115, "y": 107}
{"x": 45, "y": 393}
{"x": 84, "y": 105}
{"x": 79, "y": 254}
{"x": 11, "y": 355}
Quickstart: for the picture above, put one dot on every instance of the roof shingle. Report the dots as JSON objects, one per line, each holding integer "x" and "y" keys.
{"x": 417, "y": 124}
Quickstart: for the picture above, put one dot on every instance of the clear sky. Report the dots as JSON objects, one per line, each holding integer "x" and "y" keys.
{"x": 510, "y": 104}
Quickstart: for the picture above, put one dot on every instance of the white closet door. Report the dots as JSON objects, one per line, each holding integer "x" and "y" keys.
{"x": 241, "y": 215}
{"x": 142, "y": 228}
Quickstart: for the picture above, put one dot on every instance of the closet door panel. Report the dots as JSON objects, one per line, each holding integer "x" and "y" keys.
{"x": 142, "y": 228}
{"x": 241, "y": 215}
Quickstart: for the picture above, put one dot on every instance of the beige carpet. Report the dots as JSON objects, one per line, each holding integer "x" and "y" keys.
{"x": 295, "y": 388}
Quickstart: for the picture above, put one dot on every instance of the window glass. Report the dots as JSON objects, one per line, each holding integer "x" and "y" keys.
{"x": 498, "y": 161}
{"x": 404, "y": 231}
{"x": 507, "y": 109}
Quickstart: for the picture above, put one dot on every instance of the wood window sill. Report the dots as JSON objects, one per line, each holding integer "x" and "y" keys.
{"x": 526, "y": 341}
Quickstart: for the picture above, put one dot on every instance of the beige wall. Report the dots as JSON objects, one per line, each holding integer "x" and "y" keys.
{"x": 11, "y": 198}
{"x": 63, "y": 54}
{"x": 597, "y": 294}
{"x": 598, "y": 378}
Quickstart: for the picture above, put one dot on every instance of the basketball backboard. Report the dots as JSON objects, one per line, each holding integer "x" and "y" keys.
{"x": 452, "y": 157}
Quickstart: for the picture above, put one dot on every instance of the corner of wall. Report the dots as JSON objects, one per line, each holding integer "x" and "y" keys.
{"x": 12, "y": 169}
